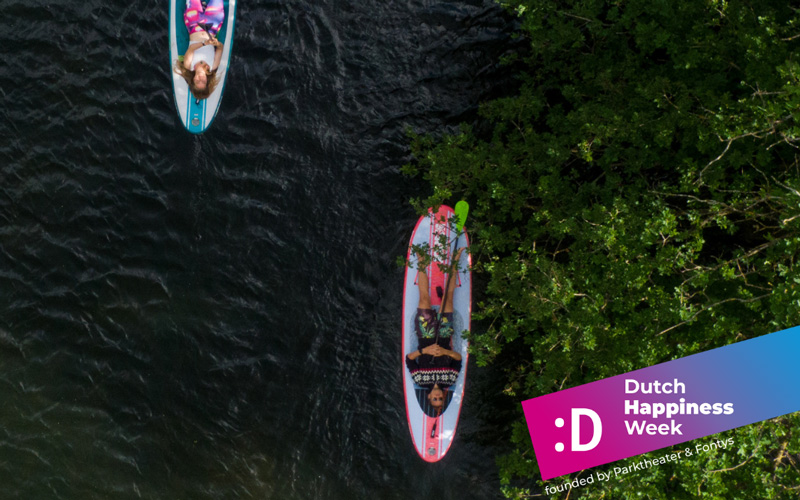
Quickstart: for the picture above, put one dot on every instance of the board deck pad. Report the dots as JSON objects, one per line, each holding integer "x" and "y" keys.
{"x": 197, "y": 115}
{"x": 432, "y": 435}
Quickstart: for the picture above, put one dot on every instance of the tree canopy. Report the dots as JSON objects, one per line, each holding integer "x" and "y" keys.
{"x": 637, "y": 200}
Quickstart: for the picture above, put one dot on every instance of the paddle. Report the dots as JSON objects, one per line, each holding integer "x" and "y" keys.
{"x": 461, "y": 211}
{"x": 205, "y": 28}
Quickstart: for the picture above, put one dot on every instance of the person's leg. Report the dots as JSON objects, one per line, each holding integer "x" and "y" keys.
{"x": 214, "y": 15}
{"x": 447, "y": 307}
{"x": 191, "y": 16}
{"x": 422, "y": 283}
{"x": 425, "y": 321}
{"x": 424, "y": 293}
{"x": 445, "y": 330}
{"x": 425, "y": 326}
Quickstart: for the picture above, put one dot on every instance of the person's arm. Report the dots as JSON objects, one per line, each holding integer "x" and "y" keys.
{"x": 437, "y": 350}
{"x": 452, "y": 354}
{"x": 447, "y": 352}
{"x": 455, "y": 364}
{"x": 431, "y": 349}
{"x": 217, "y": 53}
{"x": 189, "y": 55}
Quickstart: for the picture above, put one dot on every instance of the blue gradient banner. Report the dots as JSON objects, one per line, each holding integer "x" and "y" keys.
{"x": 666, "y": 404}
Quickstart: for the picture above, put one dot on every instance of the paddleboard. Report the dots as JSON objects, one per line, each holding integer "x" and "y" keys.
{"x": 432, "y": 435}
{"x": 197, "y": 114}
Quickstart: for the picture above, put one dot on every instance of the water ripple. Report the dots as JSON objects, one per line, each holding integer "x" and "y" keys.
{"x": 216, "y": 316}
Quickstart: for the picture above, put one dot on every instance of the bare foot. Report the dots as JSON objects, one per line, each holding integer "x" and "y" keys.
{"x": 423, "y": 258}
{"x": 457, "y": 258}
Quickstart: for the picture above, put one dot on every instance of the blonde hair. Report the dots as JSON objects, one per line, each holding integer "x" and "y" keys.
{"x": 188, "y": 75}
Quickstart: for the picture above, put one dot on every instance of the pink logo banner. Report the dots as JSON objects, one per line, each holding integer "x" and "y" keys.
{"x": 665, "y": 404}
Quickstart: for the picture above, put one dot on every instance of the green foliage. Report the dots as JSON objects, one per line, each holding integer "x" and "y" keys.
{"x": 637, "y": 201}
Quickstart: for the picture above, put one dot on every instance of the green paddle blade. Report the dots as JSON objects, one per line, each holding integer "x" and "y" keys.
{"x": 461, "y": 211}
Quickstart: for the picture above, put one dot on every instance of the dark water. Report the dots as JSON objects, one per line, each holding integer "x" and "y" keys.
{"x": 218, "y": 316}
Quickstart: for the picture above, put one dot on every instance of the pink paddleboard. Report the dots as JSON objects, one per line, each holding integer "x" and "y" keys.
{"x": 431, "y": 435}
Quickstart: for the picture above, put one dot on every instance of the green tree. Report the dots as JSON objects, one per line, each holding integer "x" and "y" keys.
{"x": 636, "y": 201}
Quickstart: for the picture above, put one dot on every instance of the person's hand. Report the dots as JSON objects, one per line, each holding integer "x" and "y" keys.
{"x": 215, "y": 42}
{"x": 435, "y": 350}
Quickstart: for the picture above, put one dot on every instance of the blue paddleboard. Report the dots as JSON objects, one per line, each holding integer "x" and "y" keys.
{"x": 197, "y": 114}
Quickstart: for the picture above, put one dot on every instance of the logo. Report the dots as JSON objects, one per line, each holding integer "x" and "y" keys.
{"x": 666, "y": 404}
{"x": 575, "y": 424}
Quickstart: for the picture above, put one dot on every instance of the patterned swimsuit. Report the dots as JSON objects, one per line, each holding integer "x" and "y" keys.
{"x": 212, "y": 16}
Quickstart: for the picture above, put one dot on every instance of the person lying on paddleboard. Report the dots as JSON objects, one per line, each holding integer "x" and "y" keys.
{"x": 202, "y": 58}
{"x": 434, "y": 366}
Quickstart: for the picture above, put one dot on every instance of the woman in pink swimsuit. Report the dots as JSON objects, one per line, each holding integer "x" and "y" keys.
{"x": 202, "y": 58}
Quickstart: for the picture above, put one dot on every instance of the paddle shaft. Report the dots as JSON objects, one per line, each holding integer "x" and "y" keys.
{"x": 461, "y": 211}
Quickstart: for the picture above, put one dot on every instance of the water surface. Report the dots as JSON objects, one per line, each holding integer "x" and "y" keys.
{"x": 218, "y": 316}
